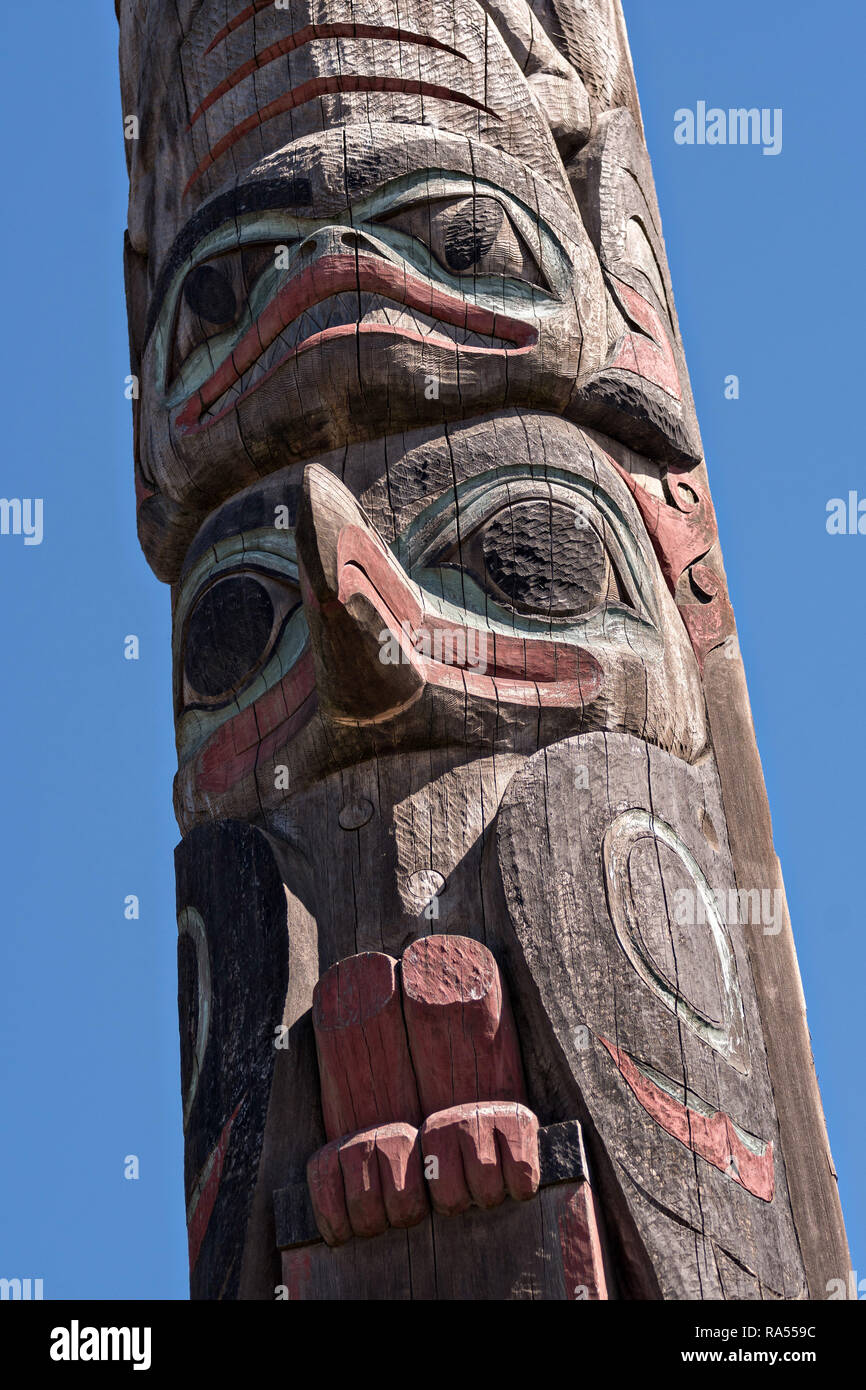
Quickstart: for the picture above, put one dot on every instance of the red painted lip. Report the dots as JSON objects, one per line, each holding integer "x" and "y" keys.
{"x": 337, "y": 274}
{"x": 713, "y": 1138}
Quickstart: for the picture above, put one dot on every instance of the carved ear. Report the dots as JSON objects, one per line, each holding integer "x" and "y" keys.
{"x": 641, "y": 395}
{"x": 553, "y": 80}
{"x": 164, "y": 528}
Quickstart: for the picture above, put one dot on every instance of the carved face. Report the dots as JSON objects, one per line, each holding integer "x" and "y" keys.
{"x": 512, "y": 605}
{"x": 335, "y": 297}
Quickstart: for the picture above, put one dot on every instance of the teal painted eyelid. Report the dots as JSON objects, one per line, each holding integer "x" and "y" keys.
{"x": 549, "y": 253}
{"x": 474, "y": 497}
{"x": 461, "y": 594}
{"x": 270, "y": 550}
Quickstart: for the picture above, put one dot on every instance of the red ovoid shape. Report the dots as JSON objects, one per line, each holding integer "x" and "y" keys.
{"x": 461, "y": 1030}
{"x": 364, "y": 1065}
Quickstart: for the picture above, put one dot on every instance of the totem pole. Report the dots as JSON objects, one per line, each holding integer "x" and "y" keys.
{"x": 467, "y": 777}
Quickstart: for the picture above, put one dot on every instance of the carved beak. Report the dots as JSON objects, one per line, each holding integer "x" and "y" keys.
{"x": 346, "y": 571}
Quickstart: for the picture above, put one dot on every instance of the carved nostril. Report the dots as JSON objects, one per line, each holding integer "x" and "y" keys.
{"x": 307, "y": 248}
{"x": 350, "y": 238}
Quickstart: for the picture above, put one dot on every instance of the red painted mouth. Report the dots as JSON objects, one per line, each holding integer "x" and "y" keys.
{"x": 337, "y": 274}
{"x": 713, "y": 1137}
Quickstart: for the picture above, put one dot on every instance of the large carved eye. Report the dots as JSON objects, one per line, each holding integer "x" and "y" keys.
{"x": 470, "y": 236}
{"x": 230, "y": 633}
{"x": 213, "y": 298}
{"x": 541, "y": 557}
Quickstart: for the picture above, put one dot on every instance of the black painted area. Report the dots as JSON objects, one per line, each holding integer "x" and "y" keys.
{"x": 545, "y": 557}
{"x": 470, "y": 231}
{"x": 227, "y": 635}
{"x": 251, "y": 510}
{"x": 209, "y": 293}
{"x": 227, "y": 872}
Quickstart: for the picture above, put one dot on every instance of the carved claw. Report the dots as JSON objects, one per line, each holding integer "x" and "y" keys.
{"x": 364, "y": 1183}
{"x": 483, "y": 1152}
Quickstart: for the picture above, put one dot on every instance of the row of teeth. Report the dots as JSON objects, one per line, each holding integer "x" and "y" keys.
{"x": 341, "y": 309}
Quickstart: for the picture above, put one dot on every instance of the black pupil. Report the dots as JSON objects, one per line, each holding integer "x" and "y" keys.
{"x": 208, "y": 293}
{"x": 470, "y": 232}
{"x": 227, "y": 635}
{"x": 542, "y": 561}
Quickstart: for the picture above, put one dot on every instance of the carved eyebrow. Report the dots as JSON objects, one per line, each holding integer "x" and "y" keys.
{"x": 239, "y": 19}
{"x": 311, "y": 32}
{"x": 325, "y": 86}
{"x": 243, "y": 516}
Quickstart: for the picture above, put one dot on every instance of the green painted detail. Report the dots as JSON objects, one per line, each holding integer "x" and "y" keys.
{"x": 461, "y": 512}
{"x": 270, "y": 551}
{"x": 496, "y": 293}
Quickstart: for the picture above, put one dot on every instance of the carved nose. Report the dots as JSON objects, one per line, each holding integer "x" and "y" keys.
{"x": 340, "y": 241}
{"x": 363, "y": 675}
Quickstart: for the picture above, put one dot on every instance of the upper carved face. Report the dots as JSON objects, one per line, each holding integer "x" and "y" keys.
{"x": 336, "y": 297}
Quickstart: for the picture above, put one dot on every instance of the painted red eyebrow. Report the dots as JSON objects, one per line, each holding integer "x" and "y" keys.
{"x": 306, "y": 35}
{"x": 236, "y": 23}
{"x": 324, "y": 86}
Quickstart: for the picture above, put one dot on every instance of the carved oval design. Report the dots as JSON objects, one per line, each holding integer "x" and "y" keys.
{"x": 192, "y": 932}
{"x": 631, "y": 842}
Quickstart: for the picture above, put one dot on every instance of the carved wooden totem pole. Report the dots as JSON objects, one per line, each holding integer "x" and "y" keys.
{"x": 467, "y": 778}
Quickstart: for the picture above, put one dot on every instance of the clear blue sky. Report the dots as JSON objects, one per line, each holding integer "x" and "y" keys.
{"x": 764, "y": 259}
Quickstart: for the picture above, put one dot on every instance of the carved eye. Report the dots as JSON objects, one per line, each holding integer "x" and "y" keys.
{"x": 213, "y": 298}
{"x": 470, "y": 236}
{"x": 209, "y": 293}
{"x": 230, "y": 633}
{"x": 541, "y": 557}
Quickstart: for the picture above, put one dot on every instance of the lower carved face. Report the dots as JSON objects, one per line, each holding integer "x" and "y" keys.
{"x": 358, "y": 284}
{"x": 516, "y": 607}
